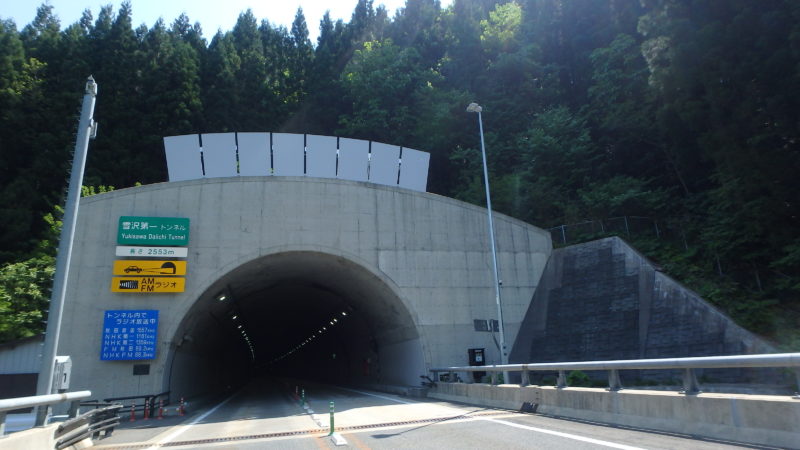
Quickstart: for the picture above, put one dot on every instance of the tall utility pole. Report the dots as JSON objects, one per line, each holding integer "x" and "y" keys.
{"x": 87, "y": 129}
{"x": 474, "y": 107}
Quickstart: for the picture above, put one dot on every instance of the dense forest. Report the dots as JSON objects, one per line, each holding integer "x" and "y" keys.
{"x": 682, "y": 113}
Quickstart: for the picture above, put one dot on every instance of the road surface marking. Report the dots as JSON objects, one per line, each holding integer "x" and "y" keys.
{"x": 181, "y": 428}
{"x": 512, "y": 424}
{"x": 564, "y": 435}
{"x": 378, "y": 396}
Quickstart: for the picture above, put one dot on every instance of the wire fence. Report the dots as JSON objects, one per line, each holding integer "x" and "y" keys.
{"x": 627, "y": 226}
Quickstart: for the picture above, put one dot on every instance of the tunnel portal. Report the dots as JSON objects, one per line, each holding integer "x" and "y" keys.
{"x": 297, "y": 314}
{"x": 405, "y": 277}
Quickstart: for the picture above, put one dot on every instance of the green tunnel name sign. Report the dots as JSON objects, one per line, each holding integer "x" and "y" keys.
{"x": 135, "y": 230}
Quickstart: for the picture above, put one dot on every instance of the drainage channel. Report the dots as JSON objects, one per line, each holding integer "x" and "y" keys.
{"x": 317, "y": 431}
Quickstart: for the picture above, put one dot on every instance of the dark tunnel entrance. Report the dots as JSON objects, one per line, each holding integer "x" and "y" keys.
{"x": 301, "y": 314}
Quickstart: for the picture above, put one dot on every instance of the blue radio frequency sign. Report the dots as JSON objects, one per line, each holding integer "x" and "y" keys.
{"x": 129, "y": 334}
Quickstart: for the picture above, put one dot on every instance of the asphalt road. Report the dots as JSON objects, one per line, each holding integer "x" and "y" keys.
{"x": 266, "y": 415}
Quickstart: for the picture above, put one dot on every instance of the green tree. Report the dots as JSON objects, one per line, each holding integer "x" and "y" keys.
{"x": 559, "y": 160}
{"x": 325, "y": 95}
{"x": 381, "y": 83}
{"x": 24, "y": 195}
{"x": 501, "y": 31}
{"x": 419, "y": 25}
{"x": 23, "y": 297}
{"x": 303, "y": 55}
{"x": 252, "y": 100}
{"x": 463, "y": 59}
{"x": 220, "y": 94}
{"x": 621, "y": 195}
{"x": 41, "y": 37}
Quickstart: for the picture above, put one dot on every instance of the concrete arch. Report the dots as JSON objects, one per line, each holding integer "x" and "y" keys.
{"x": 216, "y": 280}
{"x": 385, "y": 329}
{"x": 428, "y": 254}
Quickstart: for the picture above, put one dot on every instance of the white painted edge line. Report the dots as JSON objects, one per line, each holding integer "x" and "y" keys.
{"x": 512, "y": 424}
{"x": 448, "y": 409}
{"x": 560, "y": 434}
{"x": 181, "y": 428}
{"x": 397, "y": 400}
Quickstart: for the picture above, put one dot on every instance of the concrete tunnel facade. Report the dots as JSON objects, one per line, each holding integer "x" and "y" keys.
{"x": 405, "y": 274}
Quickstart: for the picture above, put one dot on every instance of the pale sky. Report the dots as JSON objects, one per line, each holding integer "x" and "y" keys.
{"x": 220, "y": 14}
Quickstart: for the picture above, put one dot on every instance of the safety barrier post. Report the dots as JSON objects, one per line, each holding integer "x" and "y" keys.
{"x": 133, "y": 411}
{"x": 302, "y": 397}
{"x": 331, "y": 432}
{"x": 160, "y": 409}
{"x": 561, "y": 383}
{"x": 181, "y": 408}
{"x": 146, "y": 408}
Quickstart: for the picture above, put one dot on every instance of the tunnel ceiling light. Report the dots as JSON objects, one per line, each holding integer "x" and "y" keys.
{"x": 221, "y": 297}
{"x": 344, "y": 313}
{"x": 235, "y": 317}
{"x": 239, "y": 326}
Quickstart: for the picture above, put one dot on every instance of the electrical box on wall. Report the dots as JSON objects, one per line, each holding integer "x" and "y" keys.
{"x": 62, "y": 373}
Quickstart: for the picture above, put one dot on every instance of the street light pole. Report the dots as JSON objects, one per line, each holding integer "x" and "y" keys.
{"x": 474, "y": 107}
{"x": 86, "y": 131}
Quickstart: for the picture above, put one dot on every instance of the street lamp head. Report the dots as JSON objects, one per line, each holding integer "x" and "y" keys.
{"x": 91, "y": 86}
{"x": 474, "y": 107}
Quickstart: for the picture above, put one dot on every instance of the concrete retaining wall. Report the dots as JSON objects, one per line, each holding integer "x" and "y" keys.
{"x": 754, "y": 419}
{"x": 602, "y": 300}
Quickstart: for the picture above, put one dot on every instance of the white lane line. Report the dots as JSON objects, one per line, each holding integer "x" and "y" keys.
{"x": 512, "y": 424}
{"x": 564, "y": 435}
{"x": 396, "y": 400}
{"x": 180, "y": 429}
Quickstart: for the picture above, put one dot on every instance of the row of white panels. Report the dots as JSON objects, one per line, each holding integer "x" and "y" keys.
{"x": 194, "y": 156}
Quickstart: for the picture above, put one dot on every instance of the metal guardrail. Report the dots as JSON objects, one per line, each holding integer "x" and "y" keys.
{"x": 88, "y": 425}
{"x": 11, "y": 404}
{"x": 148, "y": 401}
{"x": 690, "y": 384}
